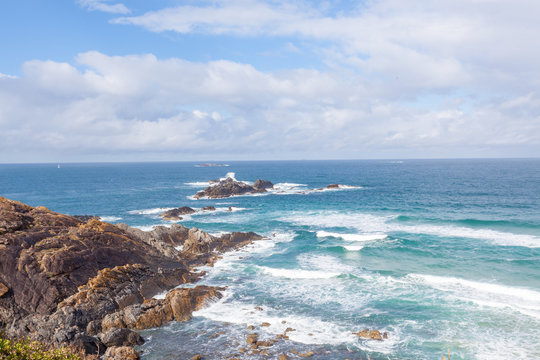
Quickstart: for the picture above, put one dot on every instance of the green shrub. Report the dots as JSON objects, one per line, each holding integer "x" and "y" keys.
{"x": 34, "y": 350}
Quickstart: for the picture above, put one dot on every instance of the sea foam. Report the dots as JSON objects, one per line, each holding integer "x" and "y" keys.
{"x": 524, "y": 300}
{"x": 368, "y": 223}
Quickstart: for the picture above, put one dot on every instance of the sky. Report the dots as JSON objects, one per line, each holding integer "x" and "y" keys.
{"x": 172, "y": 80}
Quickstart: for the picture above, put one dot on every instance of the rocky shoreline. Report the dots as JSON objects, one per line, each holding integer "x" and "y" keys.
{"x": 81, "y": 281}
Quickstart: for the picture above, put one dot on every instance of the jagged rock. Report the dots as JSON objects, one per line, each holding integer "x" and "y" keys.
{"x": 230, "y": 187}
{"x": 208, "y": 208}
{"x": 370, "y": 334}
{"x": 174, "y": 214}
{"x": 121, "y": 353}
{"x": 3, "y": 289}
{"x": 121, "y": 337}
{"x": 263, "y": 184}
{"x": 199, "y": 242}
{"x": 178, "y": 304}
{"x": 162, "y": 238}
{"x": 185, "y": 301}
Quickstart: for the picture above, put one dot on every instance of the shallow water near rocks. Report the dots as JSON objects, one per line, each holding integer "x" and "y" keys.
{"x": 440, "y": 254}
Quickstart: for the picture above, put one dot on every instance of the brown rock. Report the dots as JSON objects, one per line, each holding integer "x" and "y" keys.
{"x": 251, "y": 327}
{"x": 289, "y": 329}
{"x": 370, "y": 334}
{"x": 208, "y": 208}
{"x": 196, "y": 357}
{"x": 252, "y": 338}
{"x": 121, "y": 353}
{"x": 283, "y": 357}
{"x": 333, "y": 186}
{"x": 3, "y": 289}
{"x": 306, "y": 354}
{"x": 265, "y": 324}
{"x": 184, "y": 302}
{"x": 259, "y": 308}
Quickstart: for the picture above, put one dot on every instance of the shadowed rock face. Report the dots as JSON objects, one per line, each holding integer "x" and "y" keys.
{"x": 231, "y": 187}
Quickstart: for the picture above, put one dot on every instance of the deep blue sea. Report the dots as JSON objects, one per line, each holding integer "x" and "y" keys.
{"x": 443, "y": 255}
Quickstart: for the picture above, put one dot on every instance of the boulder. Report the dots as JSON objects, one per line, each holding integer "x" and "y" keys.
{"x": 208, "y": 208}
{"x": 121, "y": 353}
{"x": 121, "y": 337}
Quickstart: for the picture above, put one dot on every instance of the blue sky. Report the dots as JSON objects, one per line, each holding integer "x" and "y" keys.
{"x": 105, "y": 80}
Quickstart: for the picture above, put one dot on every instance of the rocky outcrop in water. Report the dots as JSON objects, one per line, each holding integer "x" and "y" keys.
{"x": 175, "y": 214}
{"x": 231, "y": 187}
{"x": 61, "y": 276}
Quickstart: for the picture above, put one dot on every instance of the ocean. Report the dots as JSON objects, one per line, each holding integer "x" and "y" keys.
{"x": 443, "y": 255}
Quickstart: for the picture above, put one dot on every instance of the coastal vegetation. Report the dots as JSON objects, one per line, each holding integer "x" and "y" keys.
{"x": 25, "y": 349}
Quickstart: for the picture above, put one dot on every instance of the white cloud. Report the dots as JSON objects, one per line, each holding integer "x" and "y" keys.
{"x": 140, "y": 104}
{"x": 428, "y": 46}
{"x": 102, "y": 5}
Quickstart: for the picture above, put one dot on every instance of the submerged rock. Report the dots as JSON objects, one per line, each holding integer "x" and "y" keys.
{"x": 371, "y": 334}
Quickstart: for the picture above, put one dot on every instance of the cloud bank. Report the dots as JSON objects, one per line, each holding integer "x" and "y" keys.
{"x": 423, "y": 79}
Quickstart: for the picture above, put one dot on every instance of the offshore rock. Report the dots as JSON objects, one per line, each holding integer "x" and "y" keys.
{"x": 174, "y": 214}
{"x": 230, "y": 187}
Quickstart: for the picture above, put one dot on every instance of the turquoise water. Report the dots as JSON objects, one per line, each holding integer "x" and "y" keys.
{"x": 441, "y": 254}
